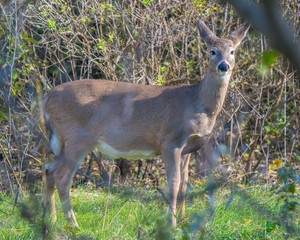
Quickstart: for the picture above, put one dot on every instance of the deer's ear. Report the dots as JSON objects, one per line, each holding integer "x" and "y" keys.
{"x": 237, "y": 36}
{"x": 205, "y": 33}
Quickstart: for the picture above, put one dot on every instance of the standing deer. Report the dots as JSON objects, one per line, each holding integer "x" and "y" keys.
{"x": 136, "y": 121}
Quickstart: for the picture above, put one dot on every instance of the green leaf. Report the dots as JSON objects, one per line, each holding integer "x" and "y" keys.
{"x": 266, "y": 128}
{"x": 44, "y": 14}
{"x": 14, "y": 74}
{"x": 160, "y": 80}
{"x": 101, "y": 44}
{"x": 288, "y": 188}
{"x": 292, "y": 188}
{"x": 274, "y": 131}
{"x": 103, "y": 7}
{"x": 111, "y": 37}
{"x": 51, "y": 24}
{"x": 270, "y": 226}
{"x": 269, "y": 57}
{"x": 147, "y": 2}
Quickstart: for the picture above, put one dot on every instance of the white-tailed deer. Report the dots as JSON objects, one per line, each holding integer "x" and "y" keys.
{"x": 136, "y": 121}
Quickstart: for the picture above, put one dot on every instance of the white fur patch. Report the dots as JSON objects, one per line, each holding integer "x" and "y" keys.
{"x": 108, "y": 150}
{"x": 46, "y": 116}
{"x": 55, "y": 143}
{"x": 50, "y": 166}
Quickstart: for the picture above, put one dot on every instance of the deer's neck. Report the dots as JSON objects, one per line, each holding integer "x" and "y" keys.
{"x": 213, "y": 89}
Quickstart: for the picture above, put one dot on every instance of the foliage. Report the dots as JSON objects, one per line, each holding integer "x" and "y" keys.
{"x": 148, "y": 42}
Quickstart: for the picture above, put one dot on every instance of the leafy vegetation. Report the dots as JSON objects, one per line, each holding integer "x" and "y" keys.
{"x": 256, "y": 138}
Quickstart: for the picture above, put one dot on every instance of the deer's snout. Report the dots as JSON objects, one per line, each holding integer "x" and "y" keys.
{"x": 223, "y": 67}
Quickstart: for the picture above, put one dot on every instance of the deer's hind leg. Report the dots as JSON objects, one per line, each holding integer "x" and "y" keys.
{"x": 49, "y": 187}
{"x": 73, "y": 154}
{"x": 48, "y": 177}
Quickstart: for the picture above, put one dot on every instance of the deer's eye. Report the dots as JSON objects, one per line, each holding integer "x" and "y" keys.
{"x": 232, "y": 52}
{"x": 213, "y": 52}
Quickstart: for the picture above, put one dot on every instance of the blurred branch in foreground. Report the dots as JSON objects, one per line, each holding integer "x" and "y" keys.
{"x": 267, "y": 18}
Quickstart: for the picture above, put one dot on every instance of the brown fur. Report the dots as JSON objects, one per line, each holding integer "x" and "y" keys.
{"x": 170, "y": 121}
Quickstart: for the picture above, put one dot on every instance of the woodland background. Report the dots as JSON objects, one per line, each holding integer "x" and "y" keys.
{"x": 46, "y": 43}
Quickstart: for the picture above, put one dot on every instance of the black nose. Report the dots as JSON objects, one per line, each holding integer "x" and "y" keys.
{"x": 223, "y": 67}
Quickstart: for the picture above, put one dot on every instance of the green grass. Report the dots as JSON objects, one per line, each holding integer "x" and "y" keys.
{"x": 132, "y": 213}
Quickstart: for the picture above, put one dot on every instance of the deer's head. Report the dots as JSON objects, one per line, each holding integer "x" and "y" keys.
{"x": 222, "y": 51}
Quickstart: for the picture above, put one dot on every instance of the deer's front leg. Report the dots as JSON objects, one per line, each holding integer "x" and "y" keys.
{"x": 172, "y": 159}
{"x": 184, "y": 176}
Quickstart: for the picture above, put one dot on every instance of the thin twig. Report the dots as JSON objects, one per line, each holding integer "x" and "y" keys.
{"x": 12, "y": 170}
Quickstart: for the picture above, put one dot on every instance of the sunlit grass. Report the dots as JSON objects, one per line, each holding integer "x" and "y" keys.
{"x": 133, "y": 213}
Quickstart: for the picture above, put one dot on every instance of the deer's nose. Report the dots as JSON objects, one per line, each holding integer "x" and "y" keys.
{"x": 223, "y": 67}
